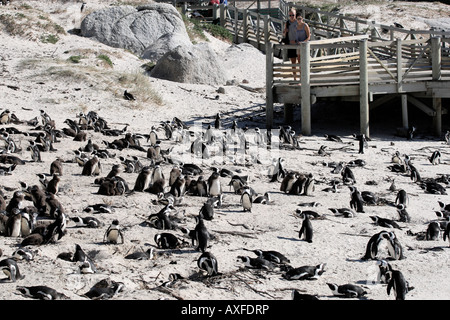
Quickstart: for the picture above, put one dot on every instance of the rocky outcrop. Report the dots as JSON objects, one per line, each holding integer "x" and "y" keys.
{"x": 137, "y": 28}
{"x": 197, "y": 64}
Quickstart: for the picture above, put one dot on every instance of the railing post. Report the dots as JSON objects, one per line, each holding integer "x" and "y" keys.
{"x": 266, "y": 30}
{"x": 403, "y": 96}
{"x": 222, "y": 15}
{"x": 269, "y": 84}
{"x": 363, "y": 89}
{"x": 305, "y": 87}
{"x": 436, "y": 76}
{"x": 236, "y": 21}
{"x": 244, "y": 27}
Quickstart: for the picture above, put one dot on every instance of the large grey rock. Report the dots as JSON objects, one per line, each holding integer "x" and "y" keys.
{"x": 196, "y": 64}
{"x": 137, "y": 28}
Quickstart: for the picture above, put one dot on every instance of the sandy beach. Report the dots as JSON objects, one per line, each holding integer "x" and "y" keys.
{"x": 39, "y": 76}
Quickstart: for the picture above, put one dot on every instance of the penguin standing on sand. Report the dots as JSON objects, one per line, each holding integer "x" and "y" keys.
{"x": 14, "y": 224}
{"x": 113, "y": 233}
{"x": 201, "y": 235}
{"x": 214, "y": 186}
{"x": 246, "y": 201}
{"x": 402, "y": 198}
{"x": 447, "y": 234}
{"x": 306, "y": 230}
{"x": 207, "y": 211}
{"x": 383, "y": 268}
{"x": 398, "y": 283}
{"x": 356, "y": 200}
{"x": 433, "y": 231}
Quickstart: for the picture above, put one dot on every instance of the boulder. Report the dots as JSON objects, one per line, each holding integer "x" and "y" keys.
{"x": 137, "y": 28}
{"x": 196, "y": 64}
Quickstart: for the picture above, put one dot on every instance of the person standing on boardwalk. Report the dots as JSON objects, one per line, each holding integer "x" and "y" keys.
{"x": 290, "y": 32}
{"x": 303, "y": 33}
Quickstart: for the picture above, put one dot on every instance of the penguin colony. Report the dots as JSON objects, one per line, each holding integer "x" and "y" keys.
{"x": 143, "y": 170}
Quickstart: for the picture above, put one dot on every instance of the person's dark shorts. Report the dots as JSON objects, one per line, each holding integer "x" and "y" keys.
{"x": 292, "y": 53}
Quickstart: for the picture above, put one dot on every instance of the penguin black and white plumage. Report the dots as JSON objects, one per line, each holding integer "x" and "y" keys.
{"x": 276, "y": 170}
{"x": 288, "y": 181}
{"x": 201, "y": 187}
{"x": 296, "y": 295}
{"x": 369, "y": 197}
{"x": 403, "y": 214}
{"x": 174, "y": 174}
{"x": 207, "y": 211}
{"x": 246, "y": 201}
{"x": 447, "y": 234}
{"x": 257, "y": 263}
{"x": 208, "y": 262}
{"x": 386, "y": 223}
{"x": 356, "y": 200}
{"x": 166, "y": 240}
{"x": 263, "y": 199}
{"x": 153, "y": 136}
{"x": 305, "y": 272}
{"x": 395, "y": 249}
{"x": 128, "y": 96}
{"x": 53, "y": 184}
{"x": 306, "y": 231}
{"x": 397, "y": 282}
{"x": 14, "y": 224}
{"x": 272, "y": 255}
{"x": 402, "y": 198}
{"x": 332, "y": 137}
{"x": 28, "y": 222}
{"x": 57, "y": 229}
{"x": 23, "y": 254}
{"x": 141, "y": 255}
{"x": 433, "y": 231}
{"x": 85, "y": 263}
{"x": 11, "y": 269}
{"x": 143, "y": 180}
{"x": 344, "y": 212}
{"x": 16, "y": 201}
{"x": 383, "y": 268}
{"x": 348, "y": 177}
{"x": 374, "y": 242}
{"x": 202, "y": 235}
{"x": 214, "y": 185}
{"x": 104, "y": 289}
{"x": 5, "y": 117}
{"x": 435, "y": 157}
{"x": 347, "y": 290}
{"x": 89, "y": 222}
{"x": 41, "y": 292}
{"x": 113, "y": 233}
{"x": 92, "y": 167}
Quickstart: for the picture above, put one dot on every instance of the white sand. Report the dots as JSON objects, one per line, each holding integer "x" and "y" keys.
{"x": 92, "y": 86}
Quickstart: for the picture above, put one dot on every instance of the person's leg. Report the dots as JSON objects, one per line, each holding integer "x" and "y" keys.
{"x": 294, "y": 61}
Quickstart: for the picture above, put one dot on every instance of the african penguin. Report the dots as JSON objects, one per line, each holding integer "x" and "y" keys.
{"x": 41, "y": 293}
{"x": 113, "y": 233}
{"x": 208, "y": 262}
{"x": 305, "y": 272}
{"x": 11, "y": 269}
{"x": 347, "y": 290}
{"x": 398, "y": 283}
{"x": 306, "y": 230}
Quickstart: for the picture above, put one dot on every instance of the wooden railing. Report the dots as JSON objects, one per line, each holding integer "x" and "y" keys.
{"x": 361, "y": 68}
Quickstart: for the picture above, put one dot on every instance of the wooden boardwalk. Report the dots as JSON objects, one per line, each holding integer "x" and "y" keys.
{"x": 347, "y": 58}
